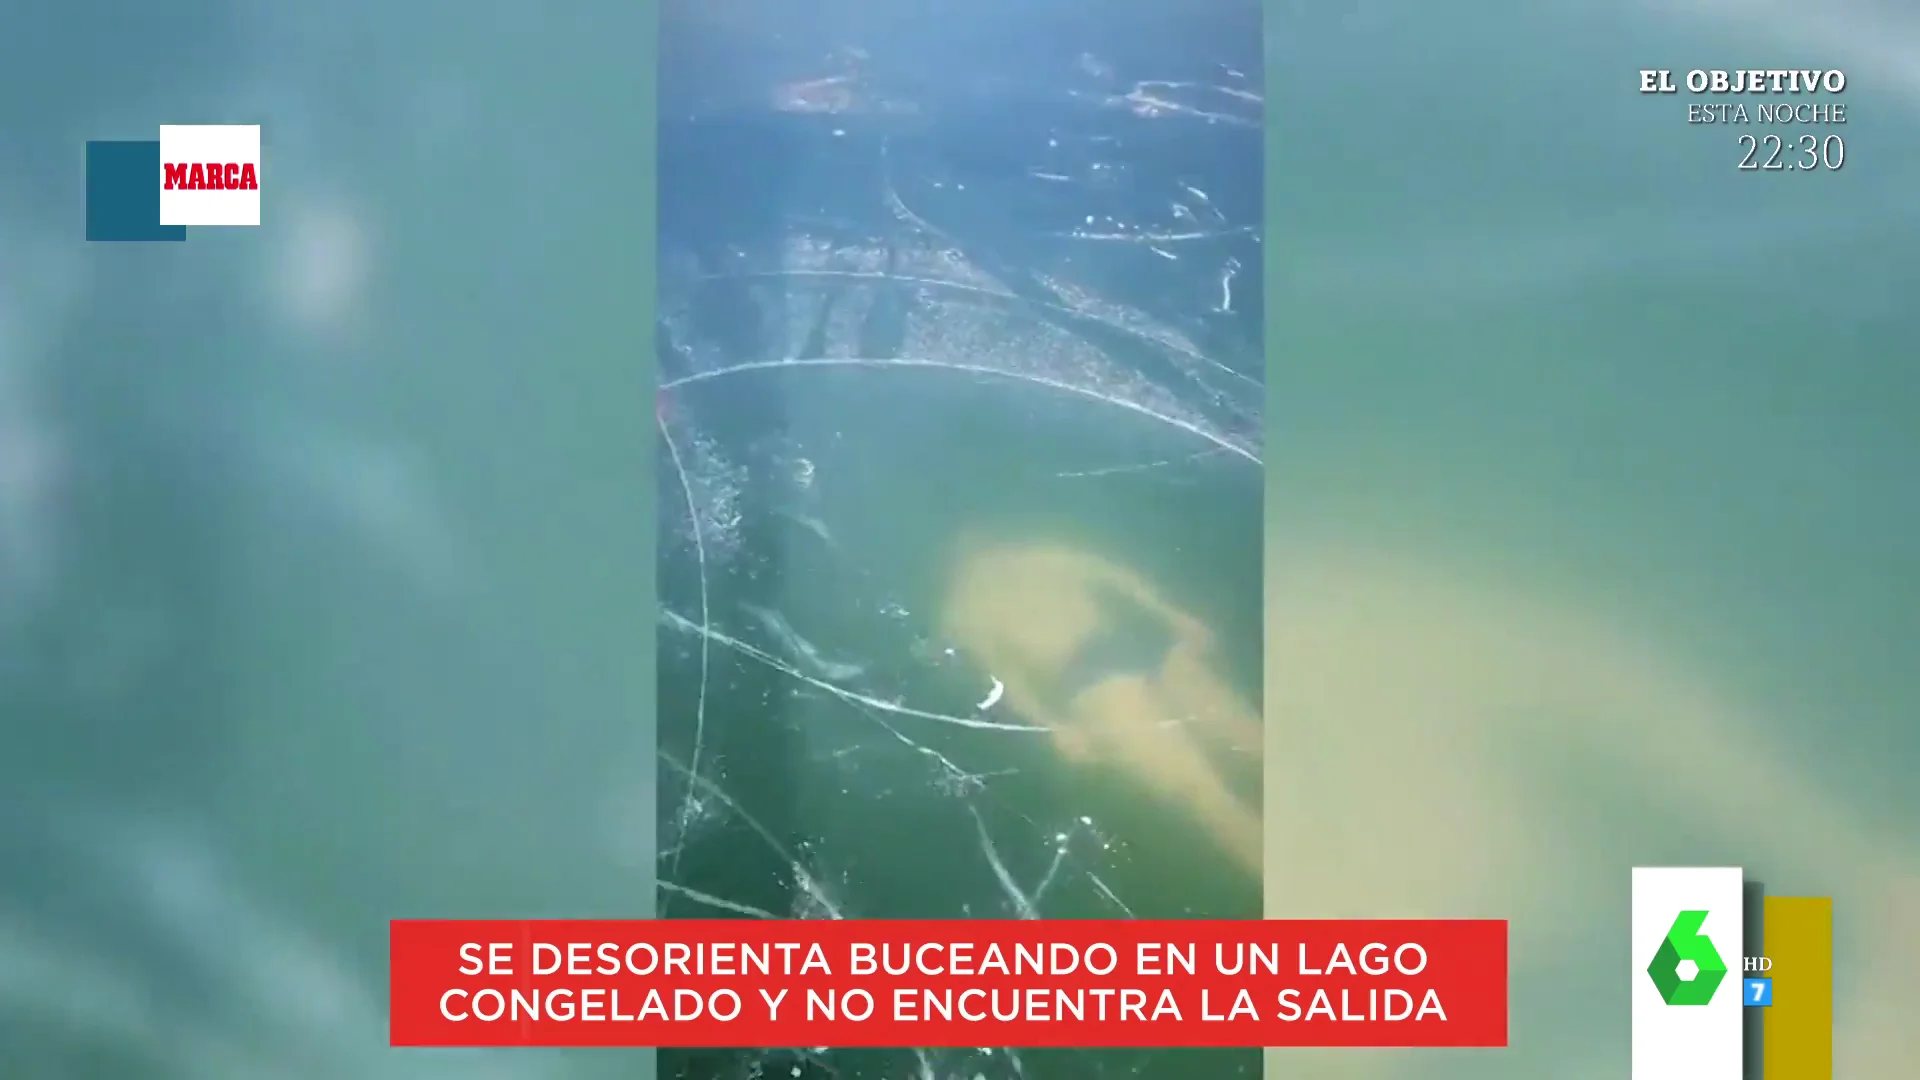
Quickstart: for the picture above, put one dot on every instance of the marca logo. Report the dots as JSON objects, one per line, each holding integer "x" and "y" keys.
{"x": 1685, "y": 943}
{"x": 218, "y": 169}
{"x": 214, "y": 176}
{"x": 193, "y": 175}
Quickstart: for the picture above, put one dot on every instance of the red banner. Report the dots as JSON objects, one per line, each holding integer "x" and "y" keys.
{"x": 740, "y": 983}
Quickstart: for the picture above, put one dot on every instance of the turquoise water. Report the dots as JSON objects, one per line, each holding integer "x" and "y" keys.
{"x": 309, "y": 616}
{"x": 1590, "y": 541}
{"x": 943, "y": 327}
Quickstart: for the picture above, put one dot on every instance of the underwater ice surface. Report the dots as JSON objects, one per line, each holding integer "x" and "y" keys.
{"x": 897, "y": 327}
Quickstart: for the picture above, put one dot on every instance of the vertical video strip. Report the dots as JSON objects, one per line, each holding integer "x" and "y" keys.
{"x": 960, "y": 482}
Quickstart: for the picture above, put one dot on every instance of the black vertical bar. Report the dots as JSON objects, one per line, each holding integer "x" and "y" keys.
{"x": 1753, "y": 1030}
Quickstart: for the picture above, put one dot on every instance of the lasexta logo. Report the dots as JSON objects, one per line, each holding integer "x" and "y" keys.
{"x": 1685, "y": 943}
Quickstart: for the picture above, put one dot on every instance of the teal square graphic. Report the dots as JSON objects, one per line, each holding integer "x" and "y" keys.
{"x": 123, "y": 193}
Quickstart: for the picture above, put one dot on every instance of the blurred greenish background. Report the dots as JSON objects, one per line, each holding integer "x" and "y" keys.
{"x": 1590, "y": 496}
{"x": 326, "y": 548}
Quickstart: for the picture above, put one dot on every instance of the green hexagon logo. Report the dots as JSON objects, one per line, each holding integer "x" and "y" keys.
{"x": 1686, "y": 942}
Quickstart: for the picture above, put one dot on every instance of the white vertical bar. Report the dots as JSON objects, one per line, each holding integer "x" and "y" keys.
{"x": 1687, "y": 1041}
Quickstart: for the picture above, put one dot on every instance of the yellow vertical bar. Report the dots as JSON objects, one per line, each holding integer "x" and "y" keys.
{"x": 1799, "y": 1024}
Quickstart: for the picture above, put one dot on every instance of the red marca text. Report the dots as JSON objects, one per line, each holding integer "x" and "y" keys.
{"x": 211, "y": 176}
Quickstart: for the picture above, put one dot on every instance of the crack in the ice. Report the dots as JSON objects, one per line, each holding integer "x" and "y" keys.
{"x": 706, "y": 620}
{"x": 1188, "y": 426}
{"x": 680, "y": 622}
